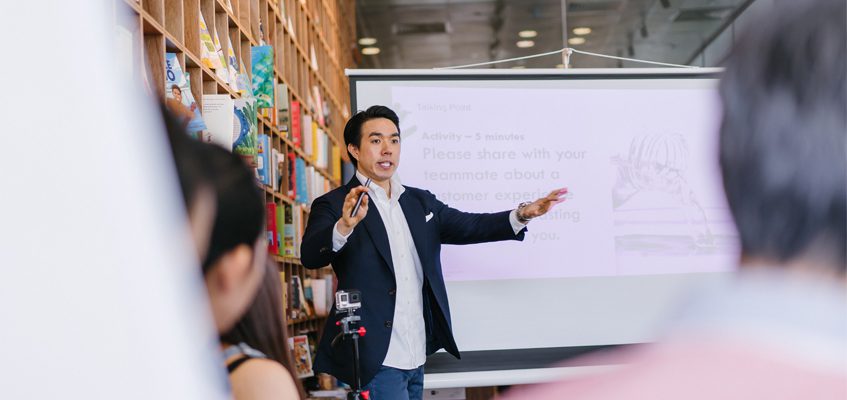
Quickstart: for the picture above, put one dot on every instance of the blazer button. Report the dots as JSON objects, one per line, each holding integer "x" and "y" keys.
{"x": 388, "y": 324}
{"x": 392, "y": 292}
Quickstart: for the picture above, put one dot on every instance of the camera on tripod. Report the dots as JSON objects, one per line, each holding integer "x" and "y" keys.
{"x": 348, "y": 300}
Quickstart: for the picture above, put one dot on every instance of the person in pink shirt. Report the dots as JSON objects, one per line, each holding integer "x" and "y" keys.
{"x": 779, "y": 330}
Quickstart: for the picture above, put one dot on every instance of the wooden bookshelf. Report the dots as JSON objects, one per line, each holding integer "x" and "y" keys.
{"x": 312, "y": 42}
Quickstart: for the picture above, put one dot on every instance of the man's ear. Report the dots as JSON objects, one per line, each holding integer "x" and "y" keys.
{"x": 354, "y": 151}
{"x": 234, "y": 268}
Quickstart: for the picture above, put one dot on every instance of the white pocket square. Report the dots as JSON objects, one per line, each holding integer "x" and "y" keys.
{"x": 429, "y": 216}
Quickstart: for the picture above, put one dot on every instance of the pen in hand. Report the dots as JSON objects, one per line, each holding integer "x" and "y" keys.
{"x": 359, "y": 200}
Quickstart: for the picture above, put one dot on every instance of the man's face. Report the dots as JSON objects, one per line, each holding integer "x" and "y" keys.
{"x": 177, "y": 94}
{"x": 378, "y": 153}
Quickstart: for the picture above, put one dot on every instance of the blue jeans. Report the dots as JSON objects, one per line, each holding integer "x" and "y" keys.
{"x": 397, "y": 384}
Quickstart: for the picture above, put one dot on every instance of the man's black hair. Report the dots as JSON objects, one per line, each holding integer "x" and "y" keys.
{"x": 353, "y": 129}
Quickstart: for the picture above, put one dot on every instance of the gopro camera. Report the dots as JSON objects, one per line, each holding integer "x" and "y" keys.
{"x": 348, "y": 300}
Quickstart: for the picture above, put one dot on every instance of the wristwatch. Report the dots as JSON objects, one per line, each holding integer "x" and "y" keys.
{"x": 520, "y": 216}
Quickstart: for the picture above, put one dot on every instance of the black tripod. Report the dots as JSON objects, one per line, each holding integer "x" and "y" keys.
{"x": 348, "y": 331}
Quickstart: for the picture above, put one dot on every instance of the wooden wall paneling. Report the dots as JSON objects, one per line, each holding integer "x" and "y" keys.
{"x": 174, "y": 22}
{"x": 156, "y": 9}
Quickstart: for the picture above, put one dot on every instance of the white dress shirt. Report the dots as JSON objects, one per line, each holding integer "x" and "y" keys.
{"x": 407, "y": 346}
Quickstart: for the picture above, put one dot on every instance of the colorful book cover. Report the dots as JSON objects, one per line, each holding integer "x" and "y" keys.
{"x": 262, "y": 162}
{"x": 280, "y": 228}
{"x": 245, "y": 130}
{"x": 232, "y": 66}
{"x": 294, "y": 134}
{"x": 223, "y": 71}
{"x": 180, "y": 99}
{"x": 302, "y": 192}
{"x": 263, "y": 74}
{"x": 243, "y": 82}
{"x": 219, "y": 118}
{"x": 273, "y": 241}
{"x": 208, "y": 54}
{"x": 288, "y": 233}
{"x": 302, "y": 356}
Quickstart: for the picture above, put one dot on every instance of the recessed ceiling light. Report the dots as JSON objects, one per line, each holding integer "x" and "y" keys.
{"x": 576, "y": 40}
{"x": 525, "y": 44}
{"x": 367, "y": 41}
{"x": 370, "y": 51}
{"x": 581, "y": 31}
{"x": 528, "y": 34}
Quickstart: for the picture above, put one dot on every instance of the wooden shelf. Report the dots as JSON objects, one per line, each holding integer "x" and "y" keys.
{"x": 327, "y": 26}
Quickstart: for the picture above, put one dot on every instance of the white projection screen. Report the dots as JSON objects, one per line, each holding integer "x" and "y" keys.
{"x": 645, "y": 224}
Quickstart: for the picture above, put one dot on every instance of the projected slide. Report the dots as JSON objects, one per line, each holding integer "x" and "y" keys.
{"x": 640, "y": 165}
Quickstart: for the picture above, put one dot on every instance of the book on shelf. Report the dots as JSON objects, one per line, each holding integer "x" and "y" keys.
{"x": 295, "y": 306}
{"x": 302, "y": 356}
{"x": 299, "y": 223}
{"x": 245, "y": 130}
{"x": 313, "y": 57}
{"x": 308, "y": 294}
{"x": 273, "y": 238}
{"x": 302, "y": 192}
{"x": 307, "y": 126}
{"x": 336, "y": 163}
{"x": 218, "y": 113}
{"x": 282, "y": 108}
{"x": 263, "y": 160}
{"x": 319, "y": 106}
{"x": 223, "y": 71}
{"x": 294, "y": 134}
{"x": 245, "y": 87}
{"x": 284, "y": 293}
{"x": 179, "y": 99}
{"x": 262, "y": 60}
{"x": 280, "y": 229}
{"x": 208, "y": 53}
{"x": 292, "y": 175}
{"x": 288, "y": 232}
{"x": 232, "y": 66}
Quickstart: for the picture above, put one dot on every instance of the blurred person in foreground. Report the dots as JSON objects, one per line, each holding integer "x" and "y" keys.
{"x": 226, "y": 215}
{"x": 256, "y": 349}
{"x": 779, "y": 330}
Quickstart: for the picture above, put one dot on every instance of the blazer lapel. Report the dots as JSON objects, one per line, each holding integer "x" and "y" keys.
{"x": 375, "y": 227}
{"x": 415, "y": 217}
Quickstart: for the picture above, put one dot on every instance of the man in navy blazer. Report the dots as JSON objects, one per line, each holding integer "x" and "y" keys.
{"x": 394, "y": 259}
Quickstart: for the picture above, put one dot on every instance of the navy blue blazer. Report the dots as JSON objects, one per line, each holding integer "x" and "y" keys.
{"x": 364, "y": 264}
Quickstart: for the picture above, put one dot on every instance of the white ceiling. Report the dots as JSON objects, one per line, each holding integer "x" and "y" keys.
{"x": 438, "y": 33}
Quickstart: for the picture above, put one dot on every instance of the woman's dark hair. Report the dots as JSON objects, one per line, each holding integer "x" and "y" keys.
{"x": 263, "y": 326}
{"x": 782, "y": 139}
{"x": 240, "y": 216}
{"x": 353, "y": 129}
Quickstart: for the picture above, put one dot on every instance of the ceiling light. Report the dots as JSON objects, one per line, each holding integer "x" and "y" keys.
{"x": 528, "y": 34}
{"x": 367, "y": 41}
{"x": 370, "y": 51}
{"x": 581, "y": 31}
{"x": 576, "y": 40}
{"x": 525, "y": 44}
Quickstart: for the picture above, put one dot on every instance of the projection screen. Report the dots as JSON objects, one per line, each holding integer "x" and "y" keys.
{"x": 644, "y": 226}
